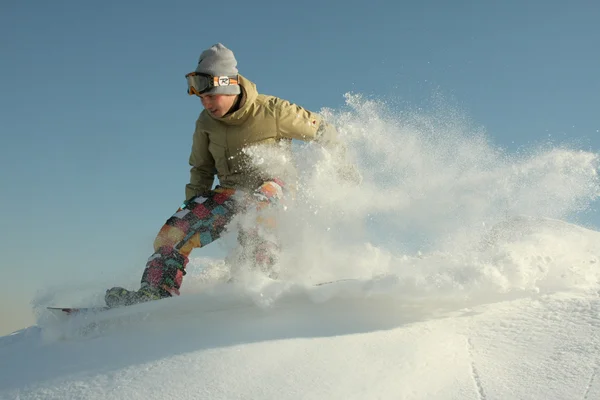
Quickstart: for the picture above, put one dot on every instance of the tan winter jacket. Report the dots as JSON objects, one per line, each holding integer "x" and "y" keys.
{"x": 261, "y": 119}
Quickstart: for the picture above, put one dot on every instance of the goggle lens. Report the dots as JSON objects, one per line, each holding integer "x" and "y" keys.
{"x": 197, "y": 84}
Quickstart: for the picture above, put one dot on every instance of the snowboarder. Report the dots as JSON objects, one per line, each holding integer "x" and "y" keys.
{"x": 235, "y": 116}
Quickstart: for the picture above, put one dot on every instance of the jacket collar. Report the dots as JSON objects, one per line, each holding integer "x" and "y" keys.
{"x": 249, "y": 95}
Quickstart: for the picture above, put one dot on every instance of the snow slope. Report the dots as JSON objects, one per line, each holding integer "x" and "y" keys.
{"x": 467, "y": 284}
{"x": 375, "y": 338}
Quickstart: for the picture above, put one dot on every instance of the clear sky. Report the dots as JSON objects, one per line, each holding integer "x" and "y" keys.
{"x": 96, "y": 125}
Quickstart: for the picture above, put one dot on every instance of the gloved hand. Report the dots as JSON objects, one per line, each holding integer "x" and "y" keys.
{"x": 269, "y": 192}
{"x": 349, "y": 173}
{"x": 327, "y": 135}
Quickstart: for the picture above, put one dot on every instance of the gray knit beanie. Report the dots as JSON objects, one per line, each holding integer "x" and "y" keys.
{"x": 218, "y": 60}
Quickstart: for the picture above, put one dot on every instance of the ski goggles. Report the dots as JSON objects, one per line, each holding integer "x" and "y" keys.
{"x": 199, "y": 83}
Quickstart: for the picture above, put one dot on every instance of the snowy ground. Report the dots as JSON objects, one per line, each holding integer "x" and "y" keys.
{"x": 372, "y": 338}
{"x": 454, "y": 297}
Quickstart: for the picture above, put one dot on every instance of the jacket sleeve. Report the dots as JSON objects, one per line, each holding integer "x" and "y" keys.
{"x": 202, "y": 173}
{"x": 295, "y": 122}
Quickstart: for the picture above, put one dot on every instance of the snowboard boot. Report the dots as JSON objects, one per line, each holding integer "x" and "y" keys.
{"x": 118, "y": 296}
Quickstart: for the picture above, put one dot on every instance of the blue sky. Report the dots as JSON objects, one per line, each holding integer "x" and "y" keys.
{"x": 96, "y": 125}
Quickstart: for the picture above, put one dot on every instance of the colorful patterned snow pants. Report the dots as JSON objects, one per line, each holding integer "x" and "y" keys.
{"x": 200, "y": 221}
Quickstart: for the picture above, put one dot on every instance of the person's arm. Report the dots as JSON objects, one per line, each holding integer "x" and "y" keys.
{"x": 202, "y": 173}
{"x": 295, "y": 122}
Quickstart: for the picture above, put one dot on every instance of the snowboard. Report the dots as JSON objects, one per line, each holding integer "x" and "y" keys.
{"x": 99, "y": 309}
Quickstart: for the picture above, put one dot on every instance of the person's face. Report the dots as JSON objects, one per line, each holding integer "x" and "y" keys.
{"x": 217, "y": 104}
